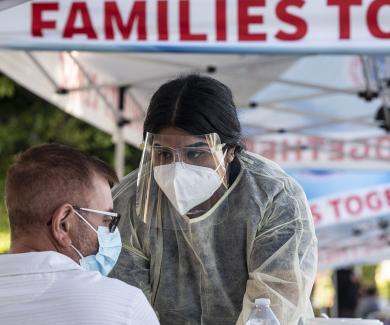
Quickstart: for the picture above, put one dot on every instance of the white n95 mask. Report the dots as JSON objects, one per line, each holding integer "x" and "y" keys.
{"x": 187, "y": 186}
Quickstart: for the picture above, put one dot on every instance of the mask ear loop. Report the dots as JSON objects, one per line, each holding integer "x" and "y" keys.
{"x": 86, "y": 221}
{"x": 82, "y": 218}
{"x": 77, "y": 251}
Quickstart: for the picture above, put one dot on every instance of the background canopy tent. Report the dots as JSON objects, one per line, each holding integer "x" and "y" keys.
{"x": 318, "y": 116}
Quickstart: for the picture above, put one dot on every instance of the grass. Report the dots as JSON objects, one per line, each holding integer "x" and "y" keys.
{"x": 4, "y": 231}
{"x": 4, "y": 241}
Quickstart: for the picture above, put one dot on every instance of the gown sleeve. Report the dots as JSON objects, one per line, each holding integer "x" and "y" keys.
{"x": 283, "y": 258}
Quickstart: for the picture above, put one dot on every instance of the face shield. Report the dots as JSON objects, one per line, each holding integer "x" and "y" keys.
{"x": 180, "y": 178}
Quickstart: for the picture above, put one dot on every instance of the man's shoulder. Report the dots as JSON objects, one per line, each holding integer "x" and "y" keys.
{"x": 115, "y": 284}
{"x": 56, "y": 283}
{"x": 93, "y": 281}
{"x": 90, "y": 289}
{"x": 126, "y": 302}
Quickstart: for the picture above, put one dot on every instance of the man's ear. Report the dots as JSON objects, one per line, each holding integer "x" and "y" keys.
{"x": 61, "y": 225}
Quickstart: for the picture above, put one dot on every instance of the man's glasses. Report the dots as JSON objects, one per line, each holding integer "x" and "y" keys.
{"x": 115, "y": 217}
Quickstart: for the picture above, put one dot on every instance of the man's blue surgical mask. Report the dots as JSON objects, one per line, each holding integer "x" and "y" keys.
{"x": 110, "y": 245}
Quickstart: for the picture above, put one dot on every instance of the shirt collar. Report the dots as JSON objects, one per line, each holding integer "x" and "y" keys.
{"x": 35, "y": 262}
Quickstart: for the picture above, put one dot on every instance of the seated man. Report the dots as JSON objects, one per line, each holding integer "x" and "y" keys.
{"x": 63, "y": 231}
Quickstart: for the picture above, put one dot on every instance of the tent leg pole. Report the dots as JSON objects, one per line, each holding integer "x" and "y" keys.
{"x": 335, "y": 308}
{"x": 119, "y": 154}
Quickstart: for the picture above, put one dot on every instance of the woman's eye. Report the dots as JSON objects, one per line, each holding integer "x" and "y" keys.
{"x": 164, "y": 154}
{"x": 194, "y": 154}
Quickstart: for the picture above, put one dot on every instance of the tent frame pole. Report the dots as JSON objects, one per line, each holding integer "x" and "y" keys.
{"x": 120, "y": 145}
{"x": 120, "y": 153}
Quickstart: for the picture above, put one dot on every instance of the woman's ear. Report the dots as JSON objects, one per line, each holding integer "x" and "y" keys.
{"x": 61, "y": 225}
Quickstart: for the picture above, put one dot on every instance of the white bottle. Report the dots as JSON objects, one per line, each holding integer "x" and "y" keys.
{"x": 262, "y": 314}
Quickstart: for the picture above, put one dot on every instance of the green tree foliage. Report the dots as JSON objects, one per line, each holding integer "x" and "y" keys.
{"x": 27, "y": 120}
{"x": 7, "y": 87}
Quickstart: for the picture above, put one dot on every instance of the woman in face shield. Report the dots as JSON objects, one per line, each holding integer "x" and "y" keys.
{"x": 208, "y": 227}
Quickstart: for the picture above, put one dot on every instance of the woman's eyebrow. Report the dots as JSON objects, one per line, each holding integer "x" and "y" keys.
{"x": 197, "y": 144}
{"x": 193, "y": 145}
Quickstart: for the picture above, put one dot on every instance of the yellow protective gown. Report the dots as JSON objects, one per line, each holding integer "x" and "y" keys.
{"x": 258, "y": 241}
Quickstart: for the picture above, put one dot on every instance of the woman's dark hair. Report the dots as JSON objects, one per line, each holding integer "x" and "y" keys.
{"x": 198, "y": 105}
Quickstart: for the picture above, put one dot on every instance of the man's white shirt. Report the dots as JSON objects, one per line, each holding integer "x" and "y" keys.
{"x": 50, "y": 288}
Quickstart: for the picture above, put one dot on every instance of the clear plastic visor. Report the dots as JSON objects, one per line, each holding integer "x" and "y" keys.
{"x": 179, "y": 176}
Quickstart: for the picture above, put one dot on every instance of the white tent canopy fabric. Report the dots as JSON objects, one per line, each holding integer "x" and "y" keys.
{"x": 5, "y": 4}
{"x": 291, "y": 109}
{"x": 87, "y": 84}
{"x": 300, "y": 111}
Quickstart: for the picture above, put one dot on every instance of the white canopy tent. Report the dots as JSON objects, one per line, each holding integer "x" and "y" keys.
{"x": 301, "y": 111}
{"x": 88, "y": 85}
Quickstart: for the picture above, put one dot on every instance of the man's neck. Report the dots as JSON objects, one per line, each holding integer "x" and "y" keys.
{"x": 17, "y": 248}
{"x": 27, "y": 244}
{"x": 38, "y": 242}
